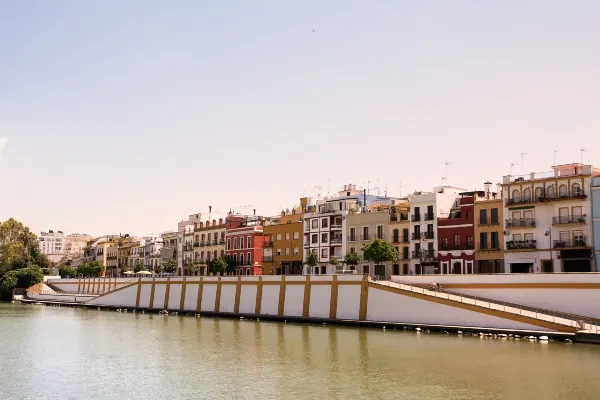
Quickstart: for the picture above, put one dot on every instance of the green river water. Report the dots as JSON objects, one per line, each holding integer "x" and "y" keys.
{"x": 67, "y": 353}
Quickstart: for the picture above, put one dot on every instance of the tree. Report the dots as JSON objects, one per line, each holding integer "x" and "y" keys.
{"x": 312, "y": 259}
{"x": 193, "y": 268}
{"x": 169, "y": 267}
{"x": 92, "y": 269}
{"x": 139, "y": 267}
{"x": 66, "y": 271}
{"x": 219, "y": 265}
{"x": 379, "y": 251}
{"x": 352, "y": 259}
{"x": 231, "y": 264}
{"x": 334, "y": 261}
{"x": 19, "y": 247}
{"x": 20, "y": 278}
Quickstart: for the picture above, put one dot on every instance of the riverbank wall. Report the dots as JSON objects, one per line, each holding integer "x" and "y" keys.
{"x": 323, "y": 297}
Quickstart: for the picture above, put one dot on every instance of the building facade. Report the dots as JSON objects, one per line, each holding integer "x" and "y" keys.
{"x": 152, "y": 253}
{"x": 399, "y": 235}
{"x": 362, "y": 227}
{"x": 455, "y": 236}
{"x": 596, "y": 220}
{"x": 76, "y": 242}
{"x": 53, "y": 244}
{"x": 547, "y": 220}
{"x": 282, "y": 249}
{"x": 209, "y": 243}
{"x": 425, "y": 209}
{"x": 489, "y": 234}
{"x": 244, "y": 239}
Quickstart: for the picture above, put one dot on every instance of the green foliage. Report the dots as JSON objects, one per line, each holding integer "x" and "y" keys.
{"x": 20, "y": 278}
{"x": 312, "y": 259}
{"x": 379, "y": 251}
{"x": 169, "y": 267}
{"x": 231, "y": 264}
{"x": 352, "y": 259}
{"x": 139, "y": 267}
{"x": 334, "y": 261}
{"x": 66, "y": 271}
{"x": 220, "y": 265}
{"x": 93, "y": 269}
{"x": 193, "y": 268}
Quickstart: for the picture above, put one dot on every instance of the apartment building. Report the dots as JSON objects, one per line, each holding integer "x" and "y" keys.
{"x": 425, "y": 209}
{"x": 244, "y": 237}
{"x": 171, "y": 241}
{"x": 596, "y": 220}
{"x": 399, "y": 235}
{"x": 152, "y": 252}
{"x": 209, "y": 242}
{"x": 75, "y": 243}
{"x": 489, "y": 233}
{"x": 282, "y": 252}
{"x": 548, "y": 226}
{"x": 363, "y": 226}
{"x": 112, "y": 263}
{"x": 53, "y": 244}
{"x": 185, "y": 245}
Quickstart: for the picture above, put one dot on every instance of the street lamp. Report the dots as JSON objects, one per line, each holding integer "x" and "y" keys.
{"x": 549, "y": 234}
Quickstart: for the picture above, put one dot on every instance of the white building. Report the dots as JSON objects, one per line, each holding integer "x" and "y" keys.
{"x": 152, "y": 253}
{"x": 325, "y": 226}
{"x": 52, "y": 243}
{"x": 76, "y": 242}
{"x": 425, "y": 209}
{"x": 548, "y": 224}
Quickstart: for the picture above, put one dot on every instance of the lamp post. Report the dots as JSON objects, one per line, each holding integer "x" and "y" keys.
{"x": 549, "y": 234}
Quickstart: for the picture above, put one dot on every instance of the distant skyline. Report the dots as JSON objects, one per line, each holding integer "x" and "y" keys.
{"x": 124, "y": 117}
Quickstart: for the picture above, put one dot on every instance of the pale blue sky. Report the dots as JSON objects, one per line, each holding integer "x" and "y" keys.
{"x": 121, "y": 116}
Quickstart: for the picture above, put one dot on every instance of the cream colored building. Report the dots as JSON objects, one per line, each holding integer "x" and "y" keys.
{"x": 362, "y": 227}
{"x": 399, "y": 235}
{"x": 209, "y": 242}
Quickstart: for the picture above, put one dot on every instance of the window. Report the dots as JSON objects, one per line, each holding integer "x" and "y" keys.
{"x": 444, "y": 243}
{"x": 296, "y": 252}
{"x": 352, "y": 234}
{"x": 278, "y": 252}
{"x": 483, "y": 217}
{"x": 379, "y": 231}
{"x": 249, "y": 258}
{"x": 249, "y": 242}
{"x": 324, "y": 253}
{"x": 306, "y": 225}
{"x": 456, "y": 240}
{"x": 235, "y": 258}
{"x": 527, "y": 194}
{"x": 296, "y": 235}
{"x": 550, "y": 192}
{"x": 563, "y": 191}
{"x": 539, "y": 192}
{"x": 528, "y": 236}
{"x": 235, "y": 243}
{"x": 517, "y": 237}
{"x": 287, "y": 236}
{"x": 314, "y": 238}
{"x": 495, "y": 244}
{"x": 469, "y": 242}
{"x": 365, "y": 233}
{"x": 324, "y": 223}
{"x": 208, "y": 238}
{"x": 576, "y": 189}
{"x": 516, "y": 196}
{"x": 483, "y": 240}
{"x": 241, "y": 243}
{"x": 323, "y": 238}
{"x": 494, "y": 215}
{"x": 352, "y": 249}
{"x": 315, "y": 223}
{"x": 279, "y": 236}
{"x": 248, "y": 271}
{"x": 365, "y": 269}
{"x": 241, "y": 258}
{"x": 576, "y": 212}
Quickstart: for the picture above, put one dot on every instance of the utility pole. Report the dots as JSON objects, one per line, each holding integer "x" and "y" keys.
{"x": 555, "y": 151}
{"x": 511, "y": 167}
{"x": 446, "y": 171}
{"x": 582, "y": 150}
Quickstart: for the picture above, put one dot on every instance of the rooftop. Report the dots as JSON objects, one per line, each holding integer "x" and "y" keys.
{"x": 558, "y": 171}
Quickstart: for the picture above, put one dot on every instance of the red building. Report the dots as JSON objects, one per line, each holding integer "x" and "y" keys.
{"x": 456, "y": 250}
{"x": 244, "y": 243}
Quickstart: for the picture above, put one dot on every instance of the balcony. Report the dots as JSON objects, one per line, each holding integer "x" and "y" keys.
{"x": 415, "y": 254}
{"x": 395, "y": 239}
{"x": 336, "y": 227}
{"x": 577, "y": 243}
{"x": 518, "y": 200}
{"x": 267, "y": 258}
{"x": 268, "y": 243}
{"x": 568, "y": 219}
{"x": 455, "y": 246}
{"x": 429, "y": 216}
{"x": 401, "y": 217}
{"x": 307, "y": 244}
{"x": 520, "y": 222}
{"x": 415, "y": 236}
{"x": 415, "y": 218}
{"x": 428, "y": 256}
{"x": 352, "y": 238}
{"x": 215, "y": 242}
{"x": 521, "y": 245}
{"x": 577, "y": 195}
{"x": 403, "y": 256}
{"x": 405, "y": 239}
{"x": 336, "y": 241}
{"x": 428, "y": 235}
{"x": 196, "y": 244}
{"x": 492, "y": 247}
{"x": 488, "y": 221}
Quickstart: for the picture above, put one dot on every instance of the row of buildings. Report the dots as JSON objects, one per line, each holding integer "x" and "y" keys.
{"x": 540, "y": 222}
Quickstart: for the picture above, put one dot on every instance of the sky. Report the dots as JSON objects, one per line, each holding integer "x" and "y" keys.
{"x": 124, "y": 116}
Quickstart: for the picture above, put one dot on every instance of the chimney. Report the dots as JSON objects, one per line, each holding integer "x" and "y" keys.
{"x": 214, "y": 221}
{"x": 209, "y": 209}
{"x": 254, "y": 211}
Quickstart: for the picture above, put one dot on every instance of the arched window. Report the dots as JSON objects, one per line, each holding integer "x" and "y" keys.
{"x": 539, "y": 192}
{"x": 563, "y": 191}
{"x": 235, "y": 243}
{"x": 241, "y": 258}
{"x": 550, "y": 192}
{"x": 242, "y": 242}
{"x": 248, "y": 271}
{"x": 527, "y": 194}
{"x": 249, "y": 258}
{"x": 516, "y": 196}
{"x": 235, "y": 259}
{"x": 576, "y": 189}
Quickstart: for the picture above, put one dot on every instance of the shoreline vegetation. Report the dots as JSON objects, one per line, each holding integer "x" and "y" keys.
{"x": 22, "y": 264}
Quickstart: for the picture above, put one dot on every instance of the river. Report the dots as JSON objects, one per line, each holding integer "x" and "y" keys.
{"x": 67, "y": 353}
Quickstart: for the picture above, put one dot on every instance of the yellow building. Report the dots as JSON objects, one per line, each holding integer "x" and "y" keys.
{"x": 282, "y": 252}
{"x": 398, "y": 235}
{"x": 489, "y": 236}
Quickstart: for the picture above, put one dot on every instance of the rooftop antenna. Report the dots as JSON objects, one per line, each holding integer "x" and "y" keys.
{"x": 318, "y": 191}
{"x": 385, "y": 192}
{"x": 582, "y": 150}
{"x": 512, "y": 165}
{"x": 556, "y": 151}
{"x": 446, "y": 171}
{"x": 522, "y": 154}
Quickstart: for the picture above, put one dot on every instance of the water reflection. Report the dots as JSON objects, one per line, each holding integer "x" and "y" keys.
{"x": 73, "y": 353}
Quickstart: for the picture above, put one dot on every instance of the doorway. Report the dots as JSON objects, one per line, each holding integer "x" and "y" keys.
{"x": 396, "y": 269}
{"x": 457, "y": 268}
{"x": 547, "y": 266}
{"x": 380, "y": 270}
{"x": 521, "y": 268}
